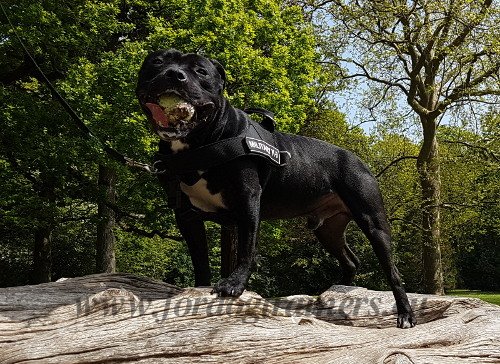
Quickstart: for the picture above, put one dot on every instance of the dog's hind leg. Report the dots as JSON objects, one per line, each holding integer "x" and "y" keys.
{"x": 331, "y": 236}
{"x": 364, "y": 200}
{"x": 376, "y": 229}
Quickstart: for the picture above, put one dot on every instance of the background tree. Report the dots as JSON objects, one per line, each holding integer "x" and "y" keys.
{"x": 433, "y": 56}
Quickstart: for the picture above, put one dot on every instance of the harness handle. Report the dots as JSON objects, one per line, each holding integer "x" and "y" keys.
{"x": 268, "y": 121}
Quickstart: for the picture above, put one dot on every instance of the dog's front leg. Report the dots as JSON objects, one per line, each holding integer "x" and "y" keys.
{"x": 248, "y": 220}
{"x": 192, "y": 229}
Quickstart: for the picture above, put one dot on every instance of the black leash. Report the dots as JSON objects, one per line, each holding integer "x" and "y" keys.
{"x": 113, "y": 153}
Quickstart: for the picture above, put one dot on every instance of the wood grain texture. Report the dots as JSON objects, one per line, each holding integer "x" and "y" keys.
{"x": 119, "y": 318}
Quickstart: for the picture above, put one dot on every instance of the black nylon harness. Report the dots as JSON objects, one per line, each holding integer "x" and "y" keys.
{"x": 255, "y": 141}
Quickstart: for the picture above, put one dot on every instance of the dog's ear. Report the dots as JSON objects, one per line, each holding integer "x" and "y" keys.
{"x": 221, "y": 70}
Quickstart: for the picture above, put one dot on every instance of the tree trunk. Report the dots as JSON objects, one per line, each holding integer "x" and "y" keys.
{"x": 105, "y": 247}
{"x": 229, "y": 243}
{"x": 42, "y": 256}
{"x": 430, "y": 183}
{"x": 118, "y": 318}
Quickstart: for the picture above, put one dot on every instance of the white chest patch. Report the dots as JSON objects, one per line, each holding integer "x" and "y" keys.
{"x": 177, "y": 146}
{"x": 200, "y": 196}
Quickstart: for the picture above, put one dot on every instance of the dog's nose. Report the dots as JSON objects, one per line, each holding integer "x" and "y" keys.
{"x": 176, "y": 74}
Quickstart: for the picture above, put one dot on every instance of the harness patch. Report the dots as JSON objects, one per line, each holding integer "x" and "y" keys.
{"x": 261, "y": 147}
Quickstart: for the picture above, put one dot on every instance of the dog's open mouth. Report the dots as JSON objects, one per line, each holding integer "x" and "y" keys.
{"x": 172, "y": 115}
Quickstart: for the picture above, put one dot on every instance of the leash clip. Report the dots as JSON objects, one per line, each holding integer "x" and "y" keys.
{"x": 158, "y": 171}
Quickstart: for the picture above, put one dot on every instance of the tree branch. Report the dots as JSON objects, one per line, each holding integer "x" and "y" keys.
{"x": 416, "y": 226}
{"x": 486, "y": 151}
{"x": 394, "y": 162}
{"x": 465, "y": 88}
{"x": 148, "y": 234}
{"x": 368, "y": 76}
{"x": 460, "y": 38}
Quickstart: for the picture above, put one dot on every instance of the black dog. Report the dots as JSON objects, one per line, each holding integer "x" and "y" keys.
{"x": 276, "y": 175}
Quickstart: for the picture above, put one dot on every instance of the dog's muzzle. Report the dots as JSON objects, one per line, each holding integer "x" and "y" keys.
{"x": 172, "y": 116}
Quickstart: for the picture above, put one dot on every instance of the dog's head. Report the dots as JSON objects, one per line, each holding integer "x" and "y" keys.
{"x": 179, "y": 92}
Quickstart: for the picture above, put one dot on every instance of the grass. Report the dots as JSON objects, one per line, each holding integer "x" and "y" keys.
{"x": 491, "y": 297}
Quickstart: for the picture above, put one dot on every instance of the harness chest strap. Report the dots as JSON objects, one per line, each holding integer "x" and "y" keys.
{"x": 185, "y": 166}
{"x": 249, "y": 143}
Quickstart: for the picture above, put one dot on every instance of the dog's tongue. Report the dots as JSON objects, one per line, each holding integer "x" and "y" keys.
{"x": 158, "y": 114}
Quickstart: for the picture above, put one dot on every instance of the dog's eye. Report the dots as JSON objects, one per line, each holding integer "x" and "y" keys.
{"x": 157, "y": 61}
{"x": 202, "y": 71}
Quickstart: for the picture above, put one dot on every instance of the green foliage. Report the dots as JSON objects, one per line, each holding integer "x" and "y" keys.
{"x": 291, "y": 261}
{"x": 267, "y": 50}
{"x": 471, "y": 194}
{"x": 73, "y": 248}
{"x": 331, "y": 126}
{"x": 162, "y": 259}
{"x": 92, "y": 51}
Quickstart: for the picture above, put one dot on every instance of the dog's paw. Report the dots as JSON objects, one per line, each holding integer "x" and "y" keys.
{"x": 228, "y": 288}
{"x": 406, "y": 320}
